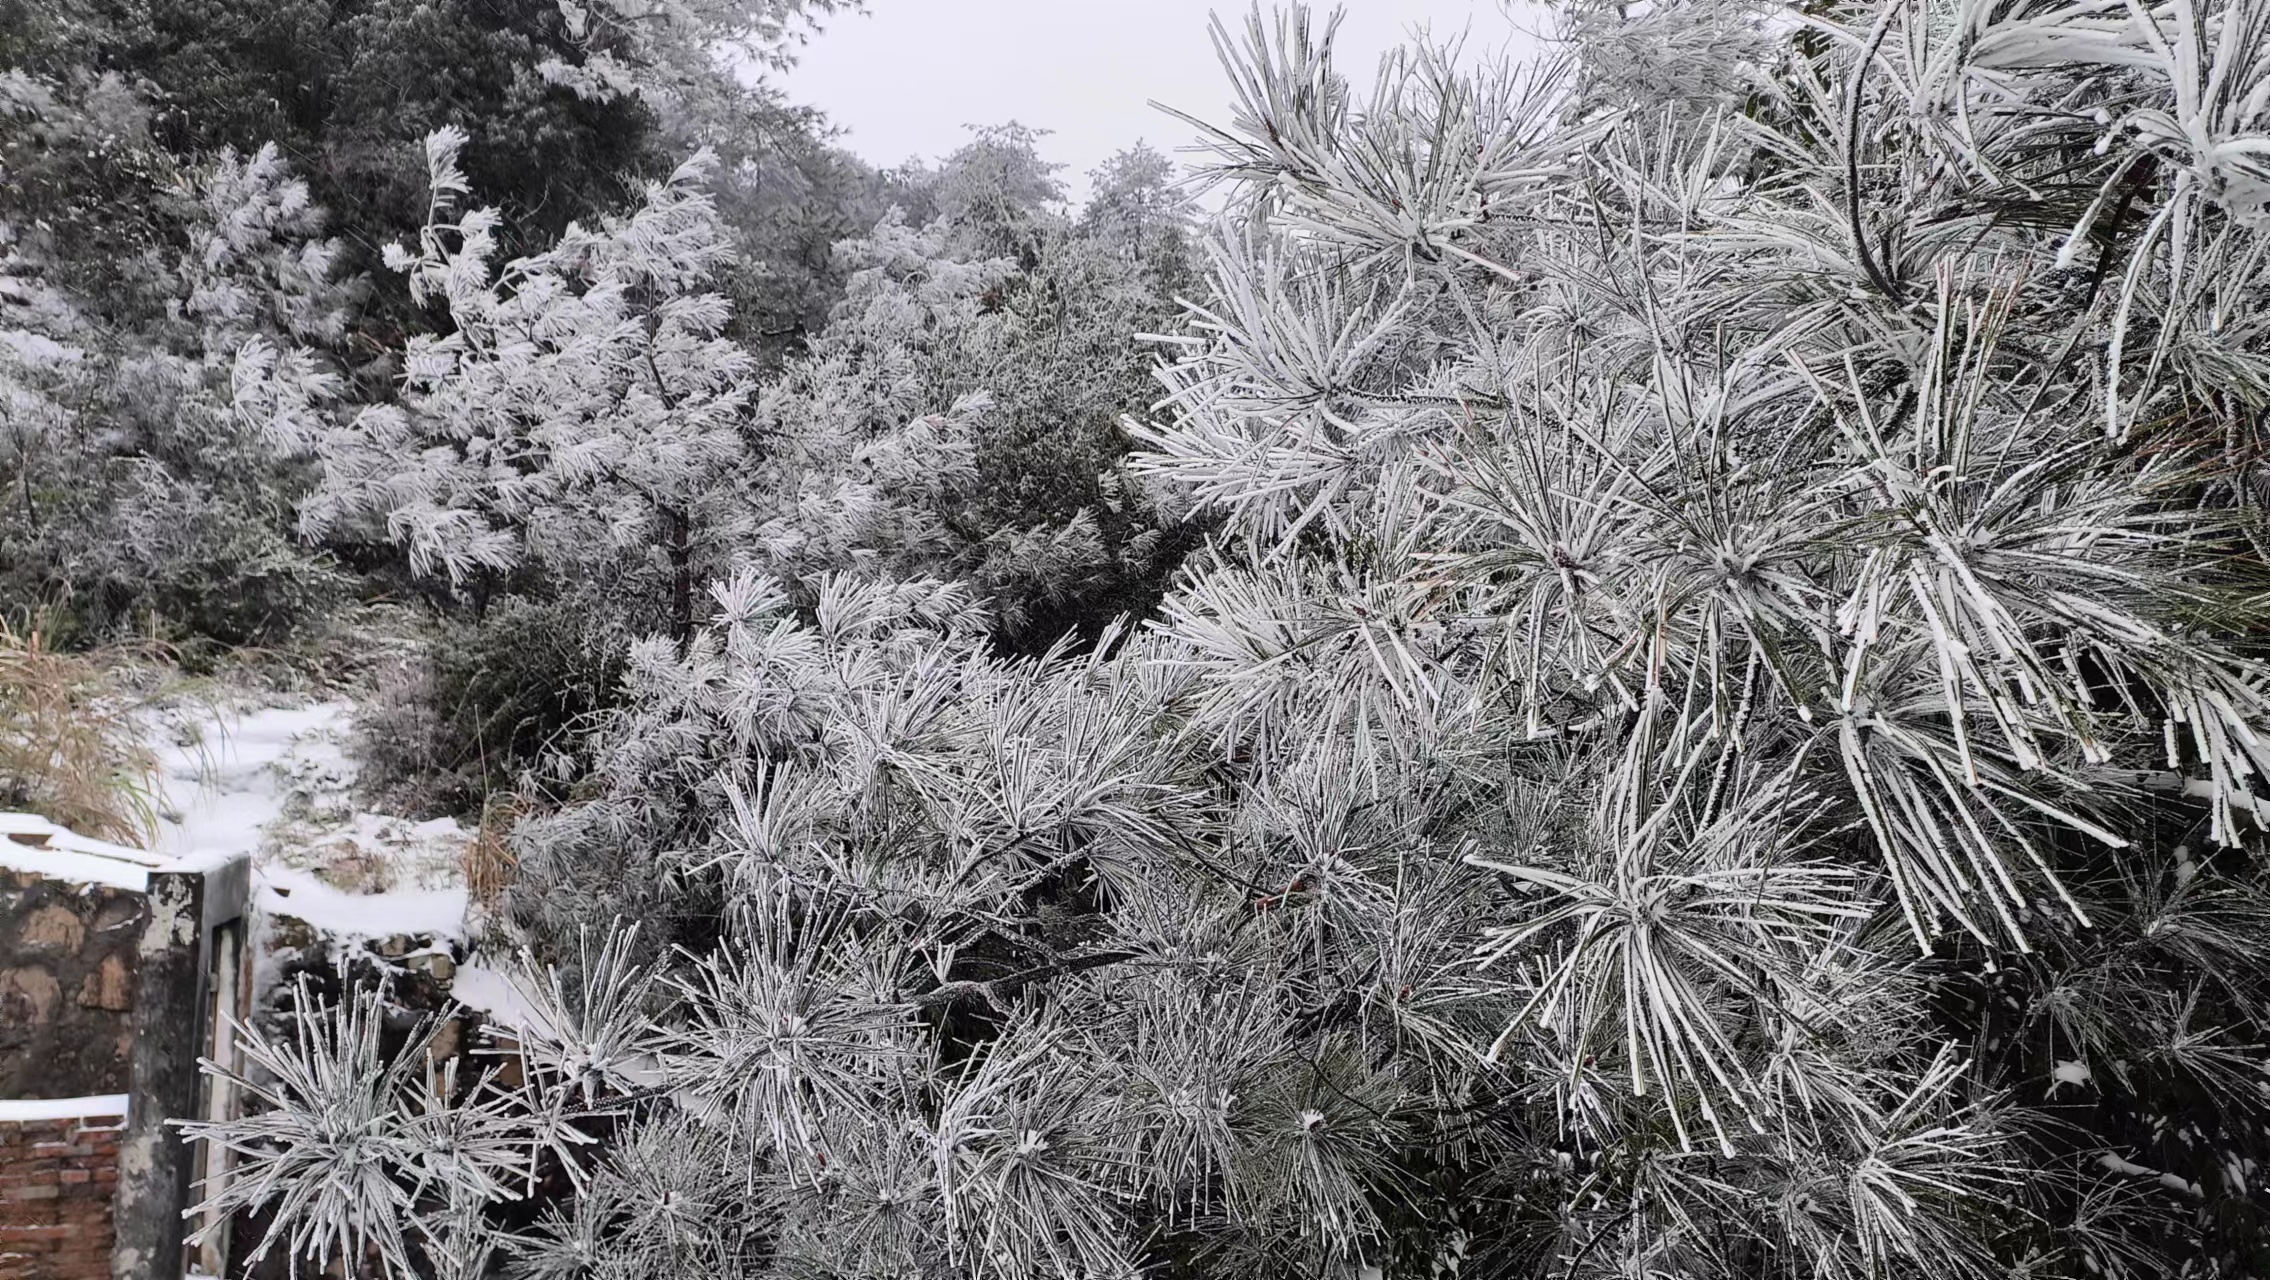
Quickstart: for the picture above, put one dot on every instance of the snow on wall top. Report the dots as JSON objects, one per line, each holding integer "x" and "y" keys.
{"x": 23, "y": 1110}
{"x": 51, "y": 851}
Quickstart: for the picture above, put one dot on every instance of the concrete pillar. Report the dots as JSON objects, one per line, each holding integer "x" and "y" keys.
{"x": 153, "y": 1162}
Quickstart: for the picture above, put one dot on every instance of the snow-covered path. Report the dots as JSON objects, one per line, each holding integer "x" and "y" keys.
{"x": 226, "y": 787}
{"x": 276, "y": 783}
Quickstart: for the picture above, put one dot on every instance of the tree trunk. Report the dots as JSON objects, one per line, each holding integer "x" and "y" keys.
{"x": 678, "y": 533}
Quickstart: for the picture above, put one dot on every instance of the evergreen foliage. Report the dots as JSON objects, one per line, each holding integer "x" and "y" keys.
{"x": 134, "y": 485}
{"x": 140, "y": 474}
{"x": 1666, "y": 680}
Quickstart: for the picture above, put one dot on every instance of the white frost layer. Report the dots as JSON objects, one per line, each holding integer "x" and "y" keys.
{"x": 285, "y": 891}
{"x": 35, "y": 349}
{"x": 2172, "y": 1181}
{"x": 500, "y": 996}
{"x": 104, "y": 1105}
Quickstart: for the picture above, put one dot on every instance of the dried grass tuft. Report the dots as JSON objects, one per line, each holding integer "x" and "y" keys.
{"x": 71, "y": 749}
{"x": 489, "y": 860}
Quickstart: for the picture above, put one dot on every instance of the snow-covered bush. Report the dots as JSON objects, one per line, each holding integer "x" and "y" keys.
{"x": 484, "y": 706}
{"x": 135, "y": 484}
{"x": 1718, "y": 734}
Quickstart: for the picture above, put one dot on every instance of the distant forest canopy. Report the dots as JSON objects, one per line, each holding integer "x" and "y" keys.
{"x": 1642, "y": 665}
{"x": 188, "y": 179}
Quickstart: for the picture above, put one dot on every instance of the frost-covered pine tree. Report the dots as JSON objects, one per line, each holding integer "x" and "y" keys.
{"x": 129, "y": 281}
{"x": 872, "y": 450}
{"x": 1835, "y": 491}
{"x": 582, "y": 411}
{"x": 1719, "y": 735}
{"x": 587, "y": 415}
{"x": 959, "y": 414}
{"x": 677, "y": 55}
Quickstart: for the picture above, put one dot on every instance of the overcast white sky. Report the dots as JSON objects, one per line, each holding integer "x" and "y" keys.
{"x": 907, "y": 76}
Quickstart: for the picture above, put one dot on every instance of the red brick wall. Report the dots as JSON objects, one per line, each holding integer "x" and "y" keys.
{"x": 56, "y": 1178}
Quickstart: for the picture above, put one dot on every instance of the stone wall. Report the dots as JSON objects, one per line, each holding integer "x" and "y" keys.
{"x": 56, "y": 1178}
{"x": 66, "y": 986}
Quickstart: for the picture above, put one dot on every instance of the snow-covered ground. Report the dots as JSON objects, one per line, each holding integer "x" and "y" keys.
{"x": 224, "y": 771}
{"x": 275, "y": 781}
